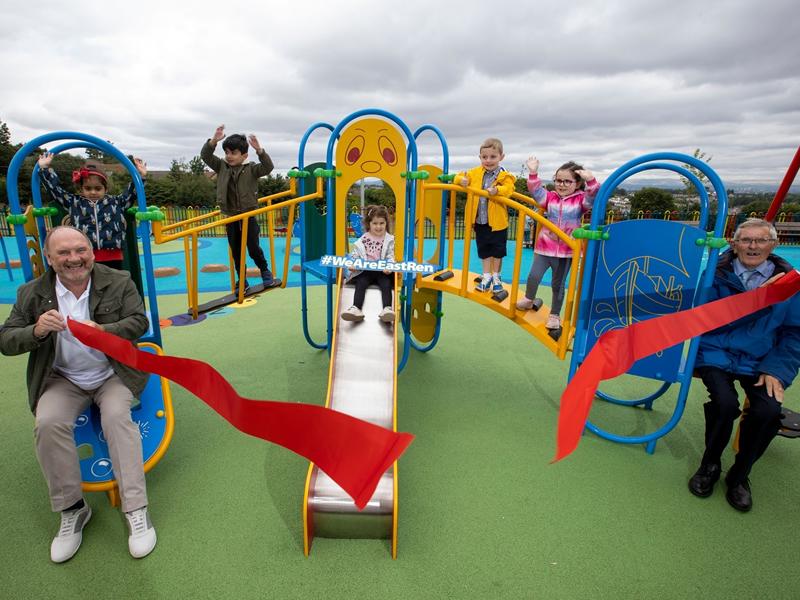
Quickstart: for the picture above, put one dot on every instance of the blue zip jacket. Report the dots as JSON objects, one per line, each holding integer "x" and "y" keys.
{"x": 767, "y": 341}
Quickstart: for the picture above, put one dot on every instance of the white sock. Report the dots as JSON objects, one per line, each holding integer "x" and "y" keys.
{"x": 487, "y": 276}
{"x": 495, "y": 275}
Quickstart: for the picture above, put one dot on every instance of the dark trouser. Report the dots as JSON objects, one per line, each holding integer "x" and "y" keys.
{"x": 539, "y": 267}
{"x": 234, "y": 231}
{"x": 760, "y": 424}
{"x": 366, "y": 278}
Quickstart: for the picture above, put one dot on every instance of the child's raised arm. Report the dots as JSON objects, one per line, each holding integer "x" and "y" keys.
{"x": 219, "y": 135}
{"x": 534, "y": 183}
{"x": 45, "y": 158}
{"x": 265, "y": 165}
{"x": 141, "y": 166}
{"x": 591, "y": 188}
{"x": 207, "y": 152}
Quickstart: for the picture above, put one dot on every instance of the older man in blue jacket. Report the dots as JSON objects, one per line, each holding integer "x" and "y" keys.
{"x": 761, "y": 351}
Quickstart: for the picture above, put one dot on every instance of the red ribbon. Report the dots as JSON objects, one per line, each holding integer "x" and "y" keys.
{"x": 615, "y": 351}
{"x": 354, "y": 453}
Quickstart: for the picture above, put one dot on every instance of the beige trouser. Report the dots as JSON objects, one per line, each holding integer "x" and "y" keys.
{"x": 59, "y": 405}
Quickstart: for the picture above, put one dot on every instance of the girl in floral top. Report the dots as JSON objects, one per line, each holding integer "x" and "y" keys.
{"x": 375, "y": 244}
{"x": 92, "y": 210}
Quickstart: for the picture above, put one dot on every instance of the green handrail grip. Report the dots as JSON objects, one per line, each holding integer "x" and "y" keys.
{"x": 402, "y": 297}
{"x": 320, "y": 172}
{"x": 446, "y": 177}
{"x": 297, "y": 173}
{"x": 584, "y": 233}
{"x": 438, "y": 314}
{"x": 132, "y": 210}
{"x": 422, "y": 174}
{"x": 155, "y": 215}
{"x": 44, "y": 211}
{"x": 19, "y": 219}
{"x": 711, "y": 241}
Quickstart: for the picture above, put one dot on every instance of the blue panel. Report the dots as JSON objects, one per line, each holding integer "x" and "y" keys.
{"x": 95, "y": 461}
{"x": 647, "y": 268}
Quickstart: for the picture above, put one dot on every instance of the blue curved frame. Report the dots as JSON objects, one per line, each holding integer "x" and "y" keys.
{"x": 142, "y": 229}
{"x": 303, "y": 281}
{"x": 443, "y": 221}
{"x": 598, "y": 215}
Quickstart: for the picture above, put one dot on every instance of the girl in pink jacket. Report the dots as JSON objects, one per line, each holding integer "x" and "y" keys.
{"x": 575, "y": 190}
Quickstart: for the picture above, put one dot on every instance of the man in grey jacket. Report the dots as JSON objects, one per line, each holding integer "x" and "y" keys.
{"x": 64, "y": 377}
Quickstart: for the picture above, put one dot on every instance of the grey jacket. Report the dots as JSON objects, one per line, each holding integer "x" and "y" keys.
{"x": 245, "y": 180}
{"x": 114, "y": 303}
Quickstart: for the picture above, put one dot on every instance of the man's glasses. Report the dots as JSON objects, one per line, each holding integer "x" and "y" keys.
{"x": 756, "y": 241}
{"x": 564, "y": 181}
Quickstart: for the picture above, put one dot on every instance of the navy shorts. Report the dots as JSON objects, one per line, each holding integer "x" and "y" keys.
{"x": 491, "y": 244}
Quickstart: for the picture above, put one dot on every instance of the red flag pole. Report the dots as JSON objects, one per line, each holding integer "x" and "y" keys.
{"x": 784, "y": 188}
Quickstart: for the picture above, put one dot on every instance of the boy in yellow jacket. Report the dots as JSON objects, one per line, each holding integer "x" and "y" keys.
{"x": 490, "y": 219}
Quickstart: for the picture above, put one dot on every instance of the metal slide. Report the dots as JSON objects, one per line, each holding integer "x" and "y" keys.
{"x": 362, "y": 383}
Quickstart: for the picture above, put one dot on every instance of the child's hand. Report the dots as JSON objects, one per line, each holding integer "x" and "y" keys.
{"x": 254, "y": 142}
{"x": 492, "y": 191}
{"x": 585, "y": 174}
{"x": 463, "y": 181}
{"x": 141, "y": 166}
{"x": 218, "y": 134}
{"x": 45, "y": 159}
{"x": 533, "y": 165}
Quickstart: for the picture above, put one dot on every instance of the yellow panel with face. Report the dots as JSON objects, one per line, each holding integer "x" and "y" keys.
{"x": 370, "y": 148}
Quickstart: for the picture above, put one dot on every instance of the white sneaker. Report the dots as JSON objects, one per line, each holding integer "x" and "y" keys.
{"x": 353, "y": 314}
{"x": 142, "y": 538}
{"x": 70, "y": 534}
{"x": 553, "y": 322}
{"x": 387, "y": 315}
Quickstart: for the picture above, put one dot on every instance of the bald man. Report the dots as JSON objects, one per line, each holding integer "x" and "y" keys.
{"x": 65, "y": 377}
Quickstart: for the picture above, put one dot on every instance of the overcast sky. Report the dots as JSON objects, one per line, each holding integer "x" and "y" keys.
{"x": 598, "y": 82}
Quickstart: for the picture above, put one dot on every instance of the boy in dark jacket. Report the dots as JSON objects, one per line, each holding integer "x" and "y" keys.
{"x": 761, "y": 351}
{"x": 237, "y": 193}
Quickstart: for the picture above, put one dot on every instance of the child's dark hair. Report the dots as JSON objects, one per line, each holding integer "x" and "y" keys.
{"x": 573, "y": 168}
{"x": 375, "y": 211}
{"x": 235, "y": 141}
{"x": 89, "y": 169}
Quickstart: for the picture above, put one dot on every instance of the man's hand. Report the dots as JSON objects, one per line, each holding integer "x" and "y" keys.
{"x": 48, "y": 322}
{"x": 93, "y": 324}
{"x": 533, "y": 165}
{"x": 254, "y": 142}
{"x": 773, "y": 386}
{"x": 219, "y": 134}
{"x": 45, "y": 158}
{"x": 141, "y": 166}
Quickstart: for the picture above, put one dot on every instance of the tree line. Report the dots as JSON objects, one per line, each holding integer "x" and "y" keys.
{"x": 190, "y": 183}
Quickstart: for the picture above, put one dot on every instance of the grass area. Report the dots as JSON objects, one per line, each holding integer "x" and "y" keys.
{"x": 482, "y": 512}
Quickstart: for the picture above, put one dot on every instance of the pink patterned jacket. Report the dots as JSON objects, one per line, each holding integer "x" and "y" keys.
{"x": 565, "y": 213}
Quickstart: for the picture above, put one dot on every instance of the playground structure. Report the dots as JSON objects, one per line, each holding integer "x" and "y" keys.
{"x": 620, "y": 273}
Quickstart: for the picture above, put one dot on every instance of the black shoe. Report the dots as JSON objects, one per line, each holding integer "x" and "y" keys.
{"x": 268, "y": 280}
{"x": 739, "y": 496}
{"x": 702, "y": 482}
{"x": 246, "y": 287}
